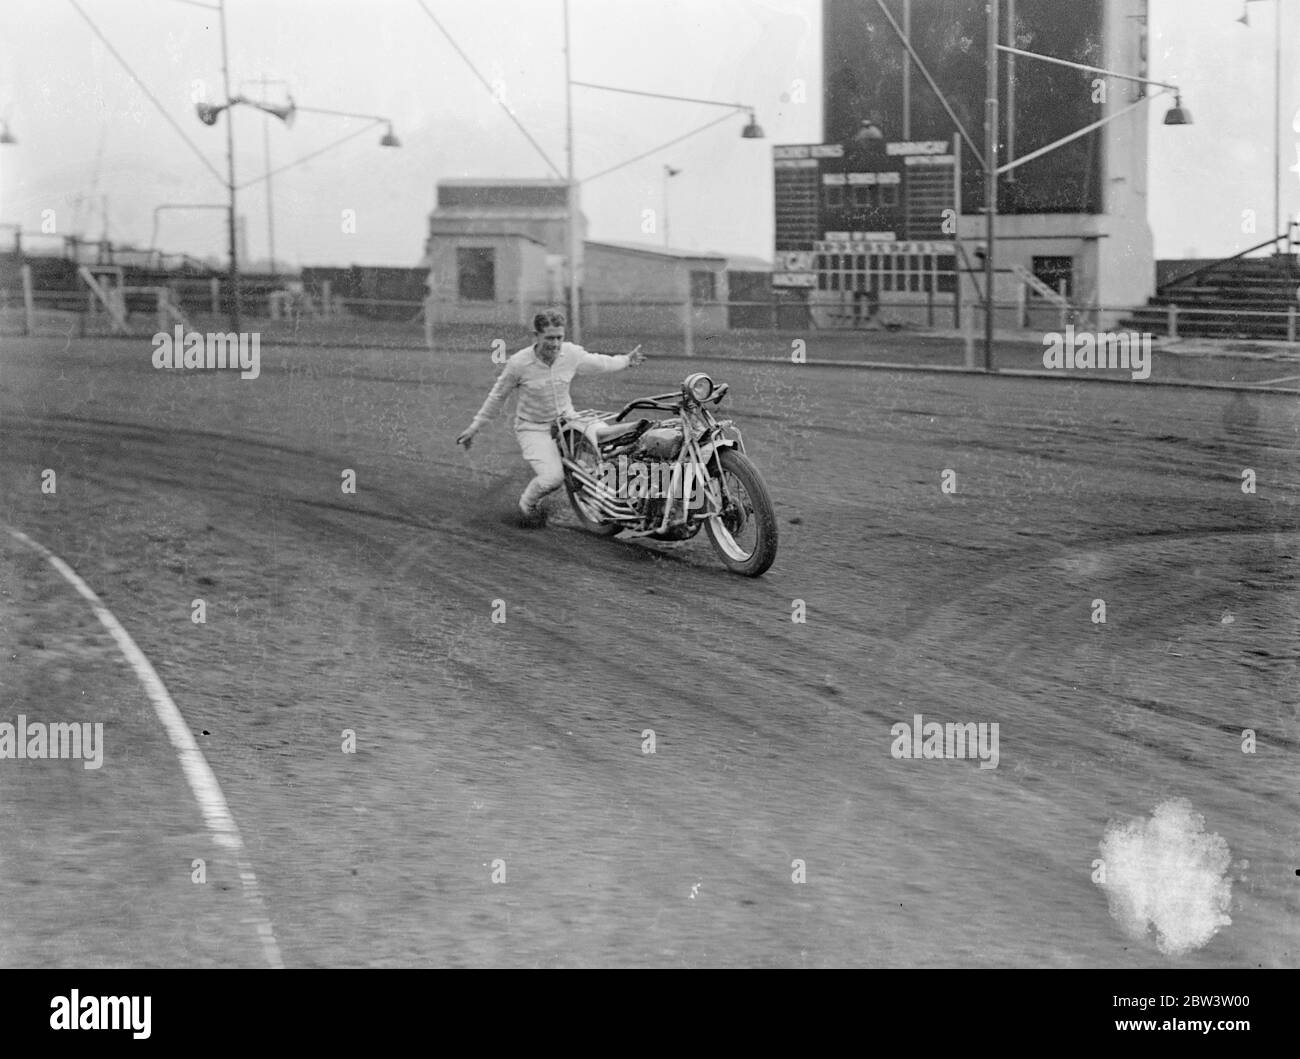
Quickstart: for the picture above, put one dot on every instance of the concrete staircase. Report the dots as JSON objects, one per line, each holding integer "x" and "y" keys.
{"x": 1218, "y": 300}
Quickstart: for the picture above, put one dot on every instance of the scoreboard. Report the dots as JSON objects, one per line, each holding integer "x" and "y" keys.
{"x": 878, "y": 199}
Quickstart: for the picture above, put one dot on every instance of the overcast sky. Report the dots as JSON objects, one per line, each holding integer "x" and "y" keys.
{"x": 87, "y": 132}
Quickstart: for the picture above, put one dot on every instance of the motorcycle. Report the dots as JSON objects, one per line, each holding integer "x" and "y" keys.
{"x": 664, "y": 479}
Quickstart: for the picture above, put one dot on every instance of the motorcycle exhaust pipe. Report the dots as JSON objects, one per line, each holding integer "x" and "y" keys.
{"x": 606, "y": 502}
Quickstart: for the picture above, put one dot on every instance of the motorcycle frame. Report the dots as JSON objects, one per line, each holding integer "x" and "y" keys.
{"x": 702, "y": 437}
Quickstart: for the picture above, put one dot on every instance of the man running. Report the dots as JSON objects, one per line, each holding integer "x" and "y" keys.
{"x": 542, "y": 373}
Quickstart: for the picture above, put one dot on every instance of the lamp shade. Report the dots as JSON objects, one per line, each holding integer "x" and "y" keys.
{"x": 208, "y": 113}
{"x": 1178, "y": 114}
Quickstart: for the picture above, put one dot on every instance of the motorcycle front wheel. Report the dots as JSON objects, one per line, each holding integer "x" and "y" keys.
{"x": 592, "y": 520}
{"x": 744, "y": 535}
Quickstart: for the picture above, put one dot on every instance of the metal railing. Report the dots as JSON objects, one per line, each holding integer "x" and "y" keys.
{"x": 1196, "y": 273}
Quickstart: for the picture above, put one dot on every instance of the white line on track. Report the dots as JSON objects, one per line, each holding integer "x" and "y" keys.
{"x": 1274, "y": 382}
{"x": 202, "y": 780}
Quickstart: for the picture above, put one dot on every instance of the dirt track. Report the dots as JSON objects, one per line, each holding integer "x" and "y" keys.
{"x": 522, "y": 742}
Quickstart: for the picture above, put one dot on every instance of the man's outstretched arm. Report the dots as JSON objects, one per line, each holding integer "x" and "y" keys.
{"x": 506, "y": 382}
{"x": 596, "y": 363}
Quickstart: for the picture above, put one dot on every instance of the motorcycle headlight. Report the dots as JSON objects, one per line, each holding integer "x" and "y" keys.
{"x": 699, "y": 386}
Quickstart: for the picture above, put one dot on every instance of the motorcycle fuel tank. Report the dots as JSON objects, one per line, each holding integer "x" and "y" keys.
{"x": 661, "y": 443}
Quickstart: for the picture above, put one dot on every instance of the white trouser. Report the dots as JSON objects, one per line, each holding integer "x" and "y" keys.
{"x": 540, "y": 450}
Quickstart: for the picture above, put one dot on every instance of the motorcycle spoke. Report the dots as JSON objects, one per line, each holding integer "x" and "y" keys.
{"x": 737, "y": 520}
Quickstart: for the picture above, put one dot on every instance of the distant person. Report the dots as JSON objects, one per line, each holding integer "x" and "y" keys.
{"x": 542, "y": 373}
{"x": 866, "y": 306}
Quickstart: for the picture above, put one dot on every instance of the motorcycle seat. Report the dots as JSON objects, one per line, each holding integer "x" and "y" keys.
{"x": 604, "y": 433}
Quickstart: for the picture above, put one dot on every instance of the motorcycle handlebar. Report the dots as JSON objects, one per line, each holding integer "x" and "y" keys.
{"x": 650, "y": 402}
{"x": 675, "y": 397}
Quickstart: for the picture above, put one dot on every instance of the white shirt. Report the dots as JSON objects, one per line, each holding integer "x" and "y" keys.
{"x": 544, "y": 389}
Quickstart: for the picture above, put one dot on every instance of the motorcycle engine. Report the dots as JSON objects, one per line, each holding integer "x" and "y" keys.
{"x": 662, "y": 442}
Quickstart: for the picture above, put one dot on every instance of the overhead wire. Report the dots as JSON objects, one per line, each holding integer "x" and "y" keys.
{"x": 495, "y": 95}
{"x": 145, "y": 88}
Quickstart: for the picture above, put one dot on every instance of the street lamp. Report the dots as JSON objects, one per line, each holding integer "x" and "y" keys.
{"x": 988, "y": 159}
{"x": 1176, "y": 115}
{"x": 751, "y": 131}
{"x": 287, "y": 113}
{"x": 209, "y": 113}
{"x": 387, "y": 140}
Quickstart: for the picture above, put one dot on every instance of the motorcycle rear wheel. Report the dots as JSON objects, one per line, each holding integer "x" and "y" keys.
{"x": 592, "y": 521}
{"x": 749, "y": 508}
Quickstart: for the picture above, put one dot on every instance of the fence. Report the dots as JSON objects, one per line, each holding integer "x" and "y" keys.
{"x": 893, "y": 331}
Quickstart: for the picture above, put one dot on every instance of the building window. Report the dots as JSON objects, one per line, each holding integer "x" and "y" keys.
{"x": 946, "y": 264}
{"x": 889, "y": 194}
{"x": 703, "y": 287}
{"x": 476, "y": 269}
{"x": 834, "y": 195}
{"x": 1052, "y": 270}
{"x": 861, "y": 194}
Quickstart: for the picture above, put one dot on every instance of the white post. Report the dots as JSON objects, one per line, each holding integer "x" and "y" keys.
{"x": 29, "y": 306}
{"x": 968, "y": 332}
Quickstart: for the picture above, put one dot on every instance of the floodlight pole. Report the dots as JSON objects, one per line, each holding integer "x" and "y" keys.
{"x": 575, "y": 321}
{"x": 230, "y": 175}
{"x": 266, "y": 83}
{"x": 990, "y": 171}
